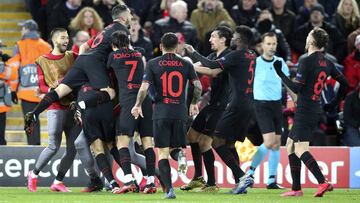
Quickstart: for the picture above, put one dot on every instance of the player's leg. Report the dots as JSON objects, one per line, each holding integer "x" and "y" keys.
{"x": 193, "y": 138}
{"x": 163, "y": 137}
{"x": 205, "y": 143}
{"x": 71, "y": 132}
{"x": 227, "y": 126}
{"x": 55, "y": 126}
{"x": 150, "y": 163}
{"x": 85, "y": 155}
{"x": 295, "y": 168}
{"x": 103, "y": 164}
{"x": 302, "y": 151}
{"x": 122, "y": 143}
{"x": 198, "y": 126}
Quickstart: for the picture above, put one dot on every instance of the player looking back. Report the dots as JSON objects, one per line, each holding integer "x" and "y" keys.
{"x": 310, "y": 78}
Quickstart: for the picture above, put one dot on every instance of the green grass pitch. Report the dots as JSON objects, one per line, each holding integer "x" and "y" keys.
{"x": 21, "y": 195}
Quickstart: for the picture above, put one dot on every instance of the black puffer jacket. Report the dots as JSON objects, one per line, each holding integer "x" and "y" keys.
{"x": 170, "y": 24}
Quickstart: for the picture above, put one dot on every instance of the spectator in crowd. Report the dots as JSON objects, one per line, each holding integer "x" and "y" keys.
{"x": 86, "y": 20}
{"x": 104, "y": 7}
{"x": 336, "y": 45}
{"x": 346, "y": 18}
{"x": 138, "y": 39}
{"x": 175, "y": 23}
{"x": 245, "y": 12}
{"x": 265, "y": 24}
{"x": 207, "y": 16}
{"x": 141, "y": 8}
{"x": 80, "y": 38}
{"x": 7, "y": 75}
{"x": 351, "y": 40}
{"x": 26, "y": 51}
{"x": 284, "y": 19}
{"x": 62, "y": 13}
{"x": 329, "y": 5}
{"x": 352, "y": 66}
{"x": 351, "y": 136}
{"x": 228, "y": 4}
{"x": 303, "y": 13}
{"x": 160, "y": 10}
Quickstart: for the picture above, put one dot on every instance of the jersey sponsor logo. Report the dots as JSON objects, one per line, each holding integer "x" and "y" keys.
{"x": 126, "y": 55}
{"x": 322, "y": 63}
{"x": 172, "y": 63}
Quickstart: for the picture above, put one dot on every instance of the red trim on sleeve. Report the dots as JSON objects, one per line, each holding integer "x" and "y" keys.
{"x": 221, "y": 65}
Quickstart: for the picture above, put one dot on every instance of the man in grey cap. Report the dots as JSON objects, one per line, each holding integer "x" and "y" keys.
{"x": 26, "y": 51}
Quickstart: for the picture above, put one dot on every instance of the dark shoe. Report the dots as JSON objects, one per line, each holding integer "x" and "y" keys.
{"x": 274, "y": 186}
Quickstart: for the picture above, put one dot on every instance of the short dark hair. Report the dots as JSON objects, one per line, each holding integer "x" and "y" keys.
{"x": 246, "y": 35}
{"x": 117, "y": 10}
{"x": 226, "y": 32}
{"x": 320, "y": 36}
{"x": 267, "y": 34}
{"x": 120, "y": 39}
{"x": 135, "y": 18}
{"x": 56, "y": 31}
{"x": 169, "y": 41}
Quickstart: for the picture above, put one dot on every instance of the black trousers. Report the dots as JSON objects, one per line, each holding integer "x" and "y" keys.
{"x": 2, "y": 128}
{"x": 34, "y": 138}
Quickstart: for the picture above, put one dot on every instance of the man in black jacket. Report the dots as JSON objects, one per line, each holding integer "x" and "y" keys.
{"x": 138, "y": 39}
{"x": 336, "y": 44}
{"x": 352, "y": 119}
{"x": 175, "y": 23}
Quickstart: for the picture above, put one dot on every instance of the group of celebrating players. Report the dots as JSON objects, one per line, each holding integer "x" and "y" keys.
{"x": 153, "y": 101}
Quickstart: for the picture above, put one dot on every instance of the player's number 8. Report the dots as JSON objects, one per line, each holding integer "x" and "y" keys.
{"x": 319, "y": 85}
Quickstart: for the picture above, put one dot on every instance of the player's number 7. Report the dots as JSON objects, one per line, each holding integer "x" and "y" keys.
{"x": 133, "y": 68}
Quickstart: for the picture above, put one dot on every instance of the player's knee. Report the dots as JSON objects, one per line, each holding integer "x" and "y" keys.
{"x": 193, "y": 135}
{"x": 268, "y": 144}
{"x": 204, "y": 144}
{"x": 290, "y": 148}
{"x": 97, "y": 147}
{"x": 147, "y": 143}
{"x": 122, "y": 141}
{"x": 164, "y": 153}
{"x": 62, "y": 90}
{"x": 218, "y": 142}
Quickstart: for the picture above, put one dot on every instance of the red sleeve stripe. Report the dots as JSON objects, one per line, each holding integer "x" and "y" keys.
{"x": 221, "y": 65}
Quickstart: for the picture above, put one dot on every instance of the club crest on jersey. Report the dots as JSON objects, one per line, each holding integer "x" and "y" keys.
{"x": 170, "y": 63}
